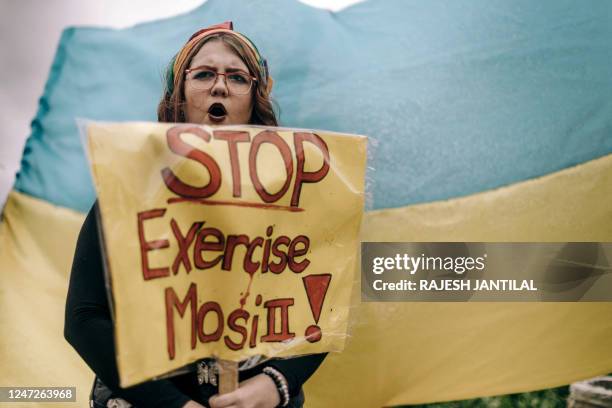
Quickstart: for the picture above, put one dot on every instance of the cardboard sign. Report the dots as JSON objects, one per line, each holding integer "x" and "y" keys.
{"x": 226, "y": 242}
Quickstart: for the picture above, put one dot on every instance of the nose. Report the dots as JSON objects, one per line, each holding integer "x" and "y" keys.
{"x": 219, "y": 88}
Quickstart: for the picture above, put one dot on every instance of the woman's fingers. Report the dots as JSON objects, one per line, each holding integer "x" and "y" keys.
{"x": 228, "y": 400}
{"x": 256, "y": 392}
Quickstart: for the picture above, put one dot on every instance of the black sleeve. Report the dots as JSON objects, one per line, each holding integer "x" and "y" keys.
{"x": 297, "y": 369}
{"x": 88, "y": 326}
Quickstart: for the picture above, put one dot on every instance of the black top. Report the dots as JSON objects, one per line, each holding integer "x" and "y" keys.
{"x": 89, "y": 329}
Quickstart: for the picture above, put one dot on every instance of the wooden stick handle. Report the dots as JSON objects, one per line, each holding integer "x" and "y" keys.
{"x": 228, "y": 376}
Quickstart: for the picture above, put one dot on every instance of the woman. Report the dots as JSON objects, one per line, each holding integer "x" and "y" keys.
{"x": 217, "y": 78}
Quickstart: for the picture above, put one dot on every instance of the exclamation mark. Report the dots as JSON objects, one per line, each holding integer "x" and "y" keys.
{"x": 316, "y": 288}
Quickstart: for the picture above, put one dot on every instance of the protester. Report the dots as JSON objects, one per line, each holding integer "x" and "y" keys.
{"x": 217, "y": 78}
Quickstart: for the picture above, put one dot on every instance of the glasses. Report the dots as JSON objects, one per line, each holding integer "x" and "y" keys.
{"x": 203, "y": 79}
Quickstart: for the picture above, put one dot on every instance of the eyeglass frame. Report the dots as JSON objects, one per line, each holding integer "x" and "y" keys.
{"x": 206, "y": 68}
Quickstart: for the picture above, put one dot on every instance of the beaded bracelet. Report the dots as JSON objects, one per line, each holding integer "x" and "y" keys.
{"x": 281, "y": 384}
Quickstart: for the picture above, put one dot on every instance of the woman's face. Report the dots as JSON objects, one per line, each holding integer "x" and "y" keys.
{"x": 217, "y": 105}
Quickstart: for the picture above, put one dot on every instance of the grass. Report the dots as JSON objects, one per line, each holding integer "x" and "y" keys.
{"x": 549, "y": 398}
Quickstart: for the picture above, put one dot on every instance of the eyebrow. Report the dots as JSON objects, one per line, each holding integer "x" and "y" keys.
{"x": 229, "y": 69}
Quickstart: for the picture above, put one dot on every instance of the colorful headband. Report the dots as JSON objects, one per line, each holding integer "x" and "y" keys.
{"x": 226, "y": 27}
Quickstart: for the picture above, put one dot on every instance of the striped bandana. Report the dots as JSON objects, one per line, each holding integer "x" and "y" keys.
{"x": 226, "y": 27}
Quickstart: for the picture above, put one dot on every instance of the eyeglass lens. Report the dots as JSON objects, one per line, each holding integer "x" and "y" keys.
{"x": 237, "y": 83}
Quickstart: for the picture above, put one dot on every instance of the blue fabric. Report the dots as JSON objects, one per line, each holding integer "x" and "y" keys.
{"x": 461, "y": 96}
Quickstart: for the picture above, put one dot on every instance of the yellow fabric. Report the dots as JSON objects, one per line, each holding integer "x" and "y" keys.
{"x": 399, "y": 353}
{"x": 37, "y": 242}
{"x": 409, "y": 353}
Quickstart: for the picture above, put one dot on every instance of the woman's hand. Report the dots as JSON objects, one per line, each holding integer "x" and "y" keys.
{"x": 256, "y": 392}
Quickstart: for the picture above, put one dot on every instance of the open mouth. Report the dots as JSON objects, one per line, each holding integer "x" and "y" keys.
{"x": 217, "y": 112}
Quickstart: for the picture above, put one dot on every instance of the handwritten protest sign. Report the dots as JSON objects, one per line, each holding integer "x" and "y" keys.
{"x": 226, "y": 242}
